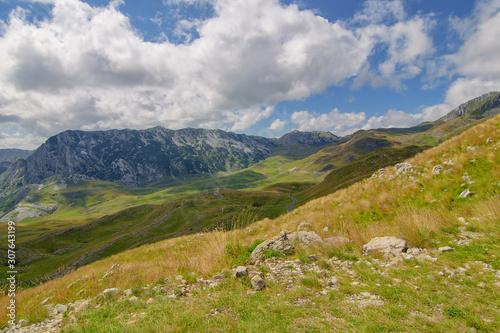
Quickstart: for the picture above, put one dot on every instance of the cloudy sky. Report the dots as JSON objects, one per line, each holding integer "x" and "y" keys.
{"x": 260, "y": 67}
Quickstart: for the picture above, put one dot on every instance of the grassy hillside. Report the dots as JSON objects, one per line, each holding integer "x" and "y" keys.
{"x": 48, "y": 248}
{"x": 432, "y": 291}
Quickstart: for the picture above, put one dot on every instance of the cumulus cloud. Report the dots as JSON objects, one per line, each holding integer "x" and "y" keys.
{"x": 335, "y": 121}
{"x": 409, "y": 47}
{"x": 476, "y": 61}
{"x": 277, "y": 125}
{"x": 85, "y": 67}
{"x": 393, "y": 118}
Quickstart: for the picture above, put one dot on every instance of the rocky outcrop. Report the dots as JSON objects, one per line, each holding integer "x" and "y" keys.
{"x": 285, "y": 243}
{"x": 306, "y": 238}
{"x": 279, "y": 243}
{"x": 386, "y": 245}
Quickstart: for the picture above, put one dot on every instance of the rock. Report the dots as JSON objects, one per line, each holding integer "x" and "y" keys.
{"x": 465, "y": 194}
{"x": 437, "y": 169}
{"x": 46, "y": 300}
{"x": 326, "y": 229}
{"x": 333, "y": 281}
{"x": 306, "y": 238}
{"x": 415, "y": 251}
{"x": 218, "y": 277}
{"x": 304, "y": 226}
{"x": 388, "y": 245}
{"x": 127, "y": 293}
{"x": 445, "y": 249}
{"x": 313, "y": 257}
{"x": 110, "y": 291}
{"x": 61, "y": 308}
{"x": 241, "y": 271}
{"x": 280, "y": 243}
{"x": 150, "y": 301}
{"x": 22, "y": 322}
{"x": 336, "y": 241}
{"x": 403, "y": 167}
{"x": 133, "y": 299}
{"x": 80, "y": 305}
{"x": 470, "y": 149}
{"x": 258, "y": 283}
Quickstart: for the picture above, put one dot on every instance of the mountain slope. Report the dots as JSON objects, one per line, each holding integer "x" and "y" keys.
{"x": 331, "y": 288}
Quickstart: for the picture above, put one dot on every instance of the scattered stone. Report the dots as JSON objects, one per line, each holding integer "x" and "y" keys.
{"x": 150, "y": 301}
{"x": 437, "y": 169}
{"x": 251, "y": 292}
{"x": 46, "y": 300}
{"x": 326, "y": 229}
{"x": 218, "y": 277}
{"x": 471, "y": 149}
{"x": 313, "y": 257}
{"x": 304, "y": 226}
{"x": 415, "y": 251}
{"x": 127, "y": 293}
{"x": 133, "y": 299}
{"x": 445, "y": 249}
{"x": 241, "y": 271}
{"x": 80, "y": 305}
{"x": 465, "y": 194}
{"x": 258, "y": 283}
{"x": 333, "y": 281}
{"x": 387, "y": 245}
{"x": 61, "y": 308}
{"x": 110, "y": 291}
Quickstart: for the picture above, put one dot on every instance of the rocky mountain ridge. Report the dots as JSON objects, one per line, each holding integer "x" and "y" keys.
{"x": 138, "y": 158}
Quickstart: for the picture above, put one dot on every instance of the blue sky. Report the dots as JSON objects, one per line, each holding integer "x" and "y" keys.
{"x": 261, "y": 67}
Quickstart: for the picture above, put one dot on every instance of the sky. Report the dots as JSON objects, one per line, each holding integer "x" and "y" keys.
{"x": 259, "y": 67}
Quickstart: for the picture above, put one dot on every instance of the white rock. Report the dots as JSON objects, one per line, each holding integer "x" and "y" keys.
{"x": 390, "y": 245}
{"x": 333, "y": 281}
{"x": 445, "y": 249}
{"x": 241, "y": 271}
{"x": 465, "y": 194}
{"x": 61, "y": 308}
{"x": 110, "y": 291}
{"x": 258, "y": 283}
{"x": 304, "y": 226}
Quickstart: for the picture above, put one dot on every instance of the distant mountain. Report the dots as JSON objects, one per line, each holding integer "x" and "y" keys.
{"x": 139, "y": 158}
{"x": 486, "y": 105}
{"x": 7, "y": 156}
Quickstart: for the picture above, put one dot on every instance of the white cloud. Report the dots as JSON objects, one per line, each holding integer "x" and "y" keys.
{"x": 408, "y": 49}
{"x": 86, "y": 68}
{"x": 335, "y": 121}
{"x": 435, "y": 112}
{"x": 376, "y": 11}
{"x": 393, "y": 118}
{"x": 476, "y": 61}
{"x": 277, "y": 125}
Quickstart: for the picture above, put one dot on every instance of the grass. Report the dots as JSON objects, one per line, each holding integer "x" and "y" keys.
{"x": 428, "y": 295}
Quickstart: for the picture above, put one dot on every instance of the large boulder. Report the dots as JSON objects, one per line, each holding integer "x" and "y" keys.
{"x": 280, "y": 243}
{"x": 306, "y": 238}
{"x": 387, "y": 245}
